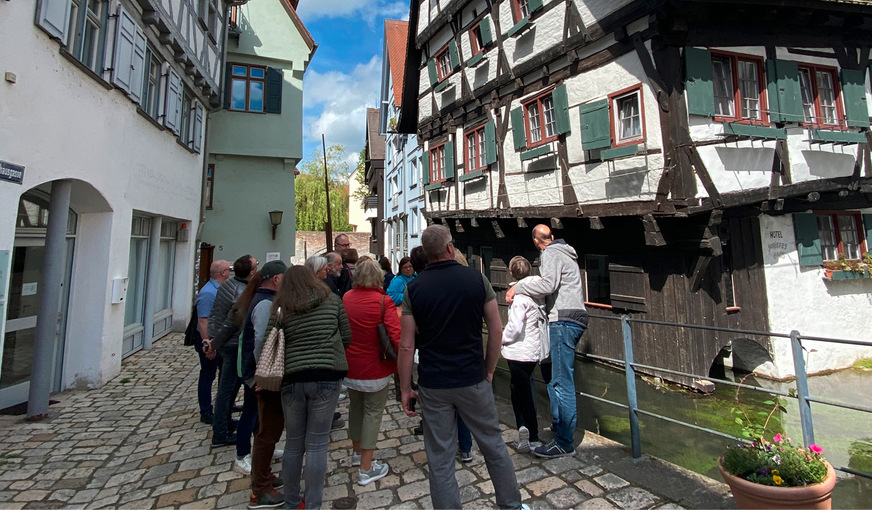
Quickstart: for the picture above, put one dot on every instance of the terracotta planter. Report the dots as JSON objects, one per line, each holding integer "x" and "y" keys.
{"x": 750, "y": 495}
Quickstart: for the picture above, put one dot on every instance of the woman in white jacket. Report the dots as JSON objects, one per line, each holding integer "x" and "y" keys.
{"x": 525, "y": 345}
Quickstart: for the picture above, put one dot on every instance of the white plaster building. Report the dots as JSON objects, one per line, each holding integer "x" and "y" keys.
{"x": 709, "y": 162}
{"x": 403, "y": 190}
{"x": 103, "y": 112}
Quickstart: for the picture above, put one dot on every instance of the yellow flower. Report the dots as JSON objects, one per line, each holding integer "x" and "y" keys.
{"x": 777, "y": 479}
{"x": 775, "y": 472}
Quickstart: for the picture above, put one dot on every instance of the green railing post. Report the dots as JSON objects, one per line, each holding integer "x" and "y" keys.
{"x": 802, "y": 389}
{"x": 635, "y": 438}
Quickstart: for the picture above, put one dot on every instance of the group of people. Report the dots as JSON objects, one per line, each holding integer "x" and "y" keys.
{"x": 337, "y": 312}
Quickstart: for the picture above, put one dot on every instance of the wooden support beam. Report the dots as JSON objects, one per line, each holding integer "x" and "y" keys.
{"x": 699, "y": 271}
{"x": 654, "y": 78}
{"x": 702, "y": 173}
{"x": 653, "y": 237}
{"x": 596, "y": 223}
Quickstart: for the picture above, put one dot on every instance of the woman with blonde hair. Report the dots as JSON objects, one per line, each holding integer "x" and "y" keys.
{"x": 369, "y": 374}
{"x": 316, "y": 335}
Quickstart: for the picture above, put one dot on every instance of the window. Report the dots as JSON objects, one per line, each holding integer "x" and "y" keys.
{"x": 820, "y": 96}
{"x": 437, "y": 163}
{"x": 475, "y": 150}
{"x": 395, "y": 191}
{"x": 210, "y": 186}
{"x": 151, "y": 85}
{"x": 87, "y": 34}
{"x": 476, "y": 41}
{"x": 443, "y": 63}
{"x": 166, "y": 264}
{"x": 185, "y": 126}
{"x": 738, "y": 80}
{"x": 628, "y": 122}
{"x": 596, "y": 271}
{"x": 540, "y": 120}
{"x": 247, "y": 84}
{"x": 413, "y": 225}
{"x": 413, "y": 172}
{"x": 840, "y": 234}
{"x": 521, "y": 9}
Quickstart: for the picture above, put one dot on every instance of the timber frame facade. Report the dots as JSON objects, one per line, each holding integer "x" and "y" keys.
{"x": 707, "y": 160}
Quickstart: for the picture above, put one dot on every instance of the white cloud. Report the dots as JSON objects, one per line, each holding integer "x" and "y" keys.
{"x": 366, "y": 10}
{"x": 336, "y": 105}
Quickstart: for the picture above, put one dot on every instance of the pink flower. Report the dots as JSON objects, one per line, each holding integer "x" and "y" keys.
{"x": 777, "y": 438}
{"x": 816, "y": 449}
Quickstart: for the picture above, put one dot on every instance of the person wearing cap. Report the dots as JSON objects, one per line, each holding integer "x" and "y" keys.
{"x": 268, "y": 414}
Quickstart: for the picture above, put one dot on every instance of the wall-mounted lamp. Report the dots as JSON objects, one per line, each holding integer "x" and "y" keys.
{"x": 556, "y": 223}
{"x": 522, "y": 223}
{"x": 275, "y": 217}
{"x": 473, "y": 223}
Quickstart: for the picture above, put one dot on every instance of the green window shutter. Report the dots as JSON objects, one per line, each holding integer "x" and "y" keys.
{"x": 785, "y": 98}
{"x": 227, "y": 73}
{"x": 808, "y": 244}
{"x": 487, "y": 35}
{"x": 854, "y": 91}
{"x": 561, "y": 109}
{"x": 274, "y": 82}
{"x": 595, "y": 127}
{"x": 434, "y": 76}
{"x": 698, "y": 85}
{"x": 534, "y": 5}
{"x": 867, "y": 221}
{"x": 519, "y": 131}
{"x": 453, "y": 54}
{"x": 449, "y": 159}
{"x": 490, "y": 143}
{"x": 425, "y": 168}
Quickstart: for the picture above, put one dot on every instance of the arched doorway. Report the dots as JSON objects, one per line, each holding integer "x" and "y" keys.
{"x": 25, "y": 286}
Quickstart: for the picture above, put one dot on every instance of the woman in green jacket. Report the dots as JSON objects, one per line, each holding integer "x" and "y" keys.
{"x": 317, "y": 333}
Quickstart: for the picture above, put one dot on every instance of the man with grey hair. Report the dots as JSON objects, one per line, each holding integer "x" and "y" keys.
{"x": 446, "y": 305}
{"x": 334, "y": 270}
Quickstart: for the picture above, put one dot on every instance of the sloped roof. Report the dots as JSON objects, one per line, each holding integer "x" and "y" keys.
{"x": 396, "y": 35}
{"x": 375, "y": 142}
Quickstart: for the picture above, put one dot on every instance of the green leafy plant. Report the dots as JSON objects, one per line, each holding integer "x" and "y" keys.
{"x": 776, "y": 462}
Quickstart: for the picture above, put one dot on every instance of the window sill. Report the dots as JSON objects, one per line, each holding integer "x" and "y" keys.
{"x": 753, "y": 131}
{"x": 835, "y": 137}
{"x": 620, "y": 152}
{"x": 151, "y": 119}
{"x": 602, "y": 306}
{"x": 471, "y": 175}
{"x": 90, "y": 72}
{"x": 476, "y": 59}
{"x": 183, "y": 144}
{"x": 444, "y": 84}
{"x": 520, "y": 27}
{"x": 537, "y": 152}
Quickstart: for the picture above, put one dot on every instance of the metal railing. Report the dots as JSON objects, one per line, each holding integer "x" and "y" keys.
{"x": 802, "y": 395}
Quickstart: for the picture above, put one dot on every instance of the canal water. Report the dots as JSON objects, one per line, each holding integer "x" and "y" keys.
{"x": 845, "y": 435}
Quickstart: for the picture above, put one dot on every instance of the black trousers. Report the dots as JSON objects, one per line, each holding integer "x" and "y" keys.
{"x": 523, "y": 397}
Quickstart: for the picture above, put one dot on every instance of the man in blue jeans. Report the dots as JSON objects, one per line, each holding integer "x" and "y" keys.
{"x": 209, "y": 359}
{"x": 559, "y": 284}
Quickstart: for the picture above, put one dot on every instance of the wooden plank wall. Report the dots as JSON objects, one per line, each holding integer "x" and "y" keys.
{"x": 667, "y": 293}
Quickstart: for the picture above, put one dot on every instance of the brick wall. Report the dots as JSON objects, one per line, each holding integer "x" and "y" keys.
{"x": 314, "y": 243}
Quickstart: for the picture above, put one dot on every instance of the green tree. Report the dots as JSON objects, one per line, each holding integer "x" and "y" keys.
{"x": 311, "y": 201}
{"x": 362, "y": 190}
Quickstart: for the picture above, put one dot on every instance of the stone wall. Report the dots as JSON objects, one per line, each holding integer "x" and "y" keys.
{"x": 315, "y": 243}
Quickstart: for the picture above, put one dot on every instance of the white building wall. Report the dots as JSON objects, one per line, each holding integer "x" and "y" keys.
{"x": 60, "y": 123}
{"x": 801, "y": 299}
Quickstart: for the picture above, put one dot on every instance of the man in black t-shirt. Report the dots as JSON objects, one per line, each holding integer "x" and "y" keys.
{"x": 445, "y": 305}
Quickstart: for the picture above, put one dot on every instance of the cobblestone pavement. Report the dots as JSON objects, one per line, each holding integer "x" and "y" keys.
{"x": 137, "y": 443}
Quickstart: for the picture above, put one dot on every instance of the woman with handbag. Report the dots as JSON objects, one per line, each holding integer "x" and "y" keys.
{"x": 375, "y": 338}
{"x": 316, "y": 333}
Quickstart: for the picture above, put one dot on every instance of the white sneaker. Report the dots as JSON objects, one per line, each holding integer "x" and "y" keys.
{"x": 355, "y": 459}
{"x": 277, "y": 454}
{"x": 376, "y": 472}
{"x": 535, "y": 444}
{"x": 523, "y": 445}
{"x": 243, "y": 465}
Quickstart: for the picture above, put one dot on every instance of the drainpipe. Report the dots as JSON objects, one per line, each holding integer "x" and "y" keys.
{"x": 49, "y": 300}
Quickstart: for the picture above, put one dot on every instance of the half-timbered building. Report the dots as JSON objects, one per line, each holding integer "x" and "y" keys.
{"x": 709, "y": 161}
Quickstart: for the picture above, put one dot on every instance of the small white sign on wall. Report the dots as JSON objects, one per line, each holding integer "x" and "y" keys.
{"x": 273, "y": 255}
{"x": 29, "y": 289}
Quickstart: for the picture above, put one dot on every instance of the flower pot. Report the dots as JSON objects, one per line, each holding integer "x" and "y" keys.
{"x": 753, "y": 495}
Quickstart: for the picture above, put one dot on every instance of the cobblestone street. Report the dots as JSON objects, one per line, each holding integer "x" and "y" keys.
{"x": 137, "y": 443}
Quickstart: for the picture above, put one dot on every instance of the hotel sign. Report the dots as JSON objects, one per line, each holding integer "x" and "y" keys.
{"x": 11, "y": 173}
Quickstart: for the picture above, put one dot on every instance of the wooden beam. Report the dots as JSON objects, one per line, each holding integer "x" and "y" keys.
{"x": 702, "y": 172}
{"x": 699, "y": 271}
{"x": 654, "y": 78}
{"x": 653, "y": 237}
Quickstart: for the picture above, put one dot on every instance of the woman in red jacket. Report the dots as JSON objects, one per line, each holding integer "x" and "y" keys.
{"x": 369, "y": 375}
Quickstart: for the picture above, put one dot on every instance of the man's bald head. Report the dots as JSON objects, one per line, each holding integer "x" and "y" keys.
{"x": 542, "y": 236}
{"x": 219, "y": 270}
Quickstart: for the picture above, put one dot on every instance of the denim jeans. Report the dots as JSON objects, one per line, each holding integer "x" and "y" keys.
{"x": 247, "y": 422}
{"x": 208, "y": 369}
{"x": 561, "y": 389}
{"x": 464, "y": 436}
{"x": 228, "y": 388}
{"x": 308, "y": 408}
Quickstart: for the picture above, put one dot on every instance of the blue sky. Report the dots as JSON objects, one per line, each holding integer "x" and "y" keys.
{"x": 344, "y": 76}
